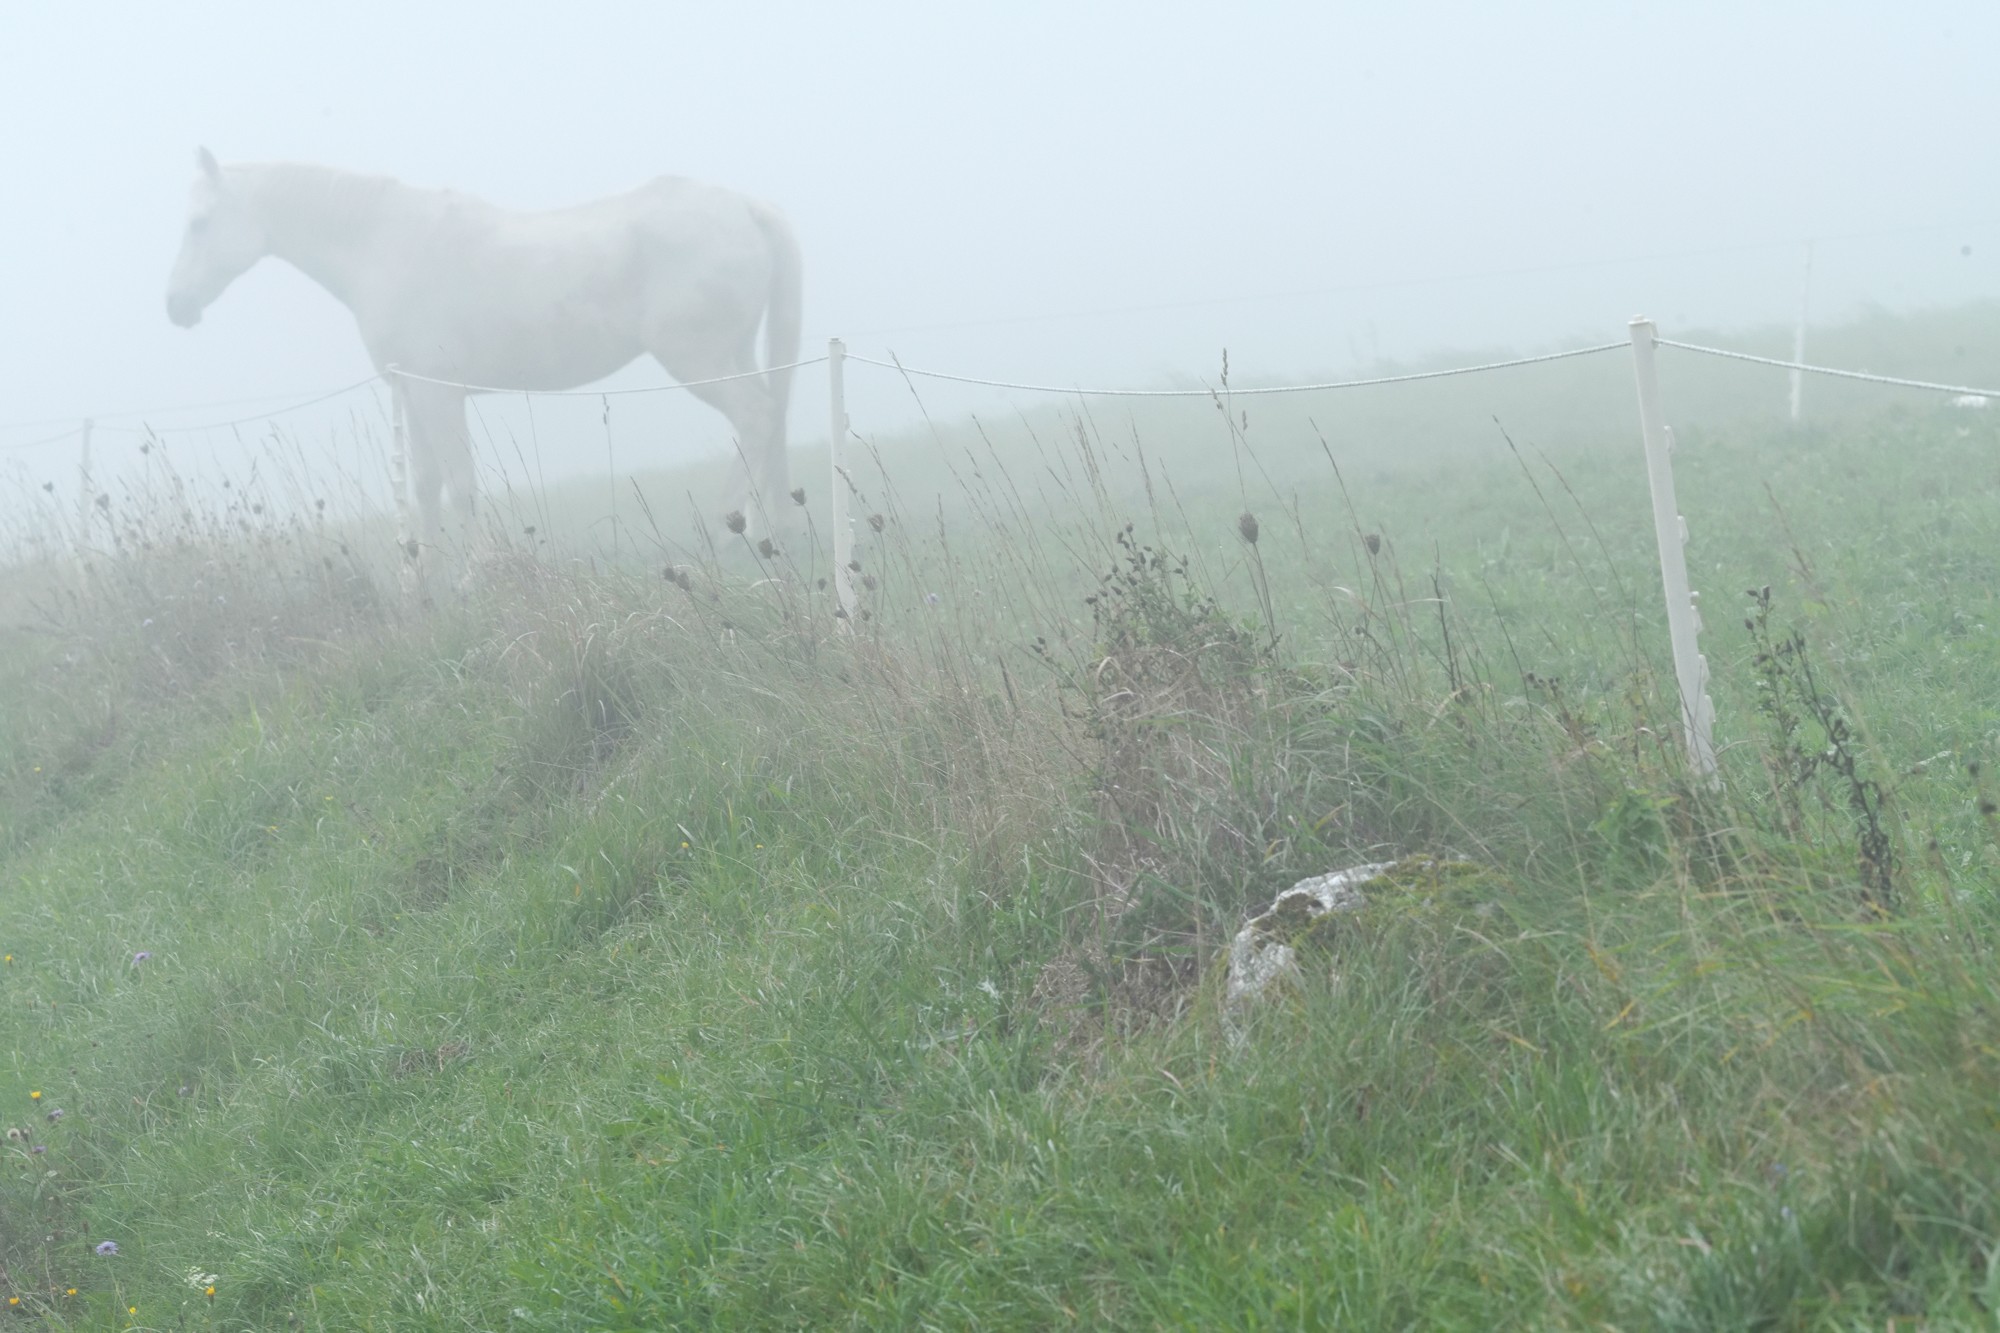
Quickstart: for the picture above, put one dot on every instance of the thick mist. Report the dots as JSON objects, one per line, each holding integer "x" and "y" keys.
{"x": 1100, "y": 195}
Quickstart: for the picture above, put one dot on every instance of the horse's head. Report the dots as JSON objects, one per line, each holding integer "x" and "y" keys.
{"x": 223, "y": 238}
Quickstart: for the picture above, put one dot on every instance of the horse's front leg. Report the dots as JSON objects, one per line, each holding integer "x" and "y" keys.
{"x": 440, "y": 455}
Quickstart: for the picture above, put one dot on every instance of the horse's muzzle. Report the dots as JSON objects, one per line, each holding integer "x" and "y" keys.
{"x": 183, "y": 309}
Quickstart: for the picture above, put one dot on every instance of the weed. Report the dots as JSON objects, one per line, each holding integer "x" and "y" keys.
{"x": 1790, "y": 697}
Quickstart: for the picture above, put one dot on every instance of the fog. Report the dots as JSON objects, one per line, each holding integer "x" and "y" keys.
{"x": 1105, "y": 194}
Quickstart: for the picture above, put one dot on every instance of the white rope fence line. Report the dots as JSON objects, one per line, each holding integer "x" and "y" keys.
{"x": 57, "y": 438}
{"x": 396, "y": 372}
{"x": 315, "y": 401}
{"x": 1233, "y": 392}
{"x": 146, "y": 413}
{"x": 399, "y": 373}
{"x": 1862, "y": 375}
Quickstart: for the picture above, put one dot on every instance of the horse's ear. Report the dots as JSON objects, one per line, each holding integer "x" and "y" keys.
{"x": 205, "y": 160}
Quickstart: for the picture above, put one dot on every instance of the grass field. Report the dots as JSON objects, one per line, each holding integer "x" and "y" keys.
{"x": 610, "y": 950}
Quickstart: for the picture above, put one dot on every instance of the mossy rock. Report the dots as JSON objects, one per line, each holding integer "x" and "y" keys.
{"x": 1428, "y": 892}
{"x": 1436, "y": 884}
{"x": 1413, "y": 888}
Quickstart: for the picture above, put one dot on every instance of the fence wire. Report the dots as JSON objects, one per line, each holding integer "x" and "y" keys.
{"x": 57, "y": 438}
{"x": 1239, "y": 393}
{"x": 242, "y": 421}
{"x": 1931, "y": 386}
{"x": 1962, "y": 390}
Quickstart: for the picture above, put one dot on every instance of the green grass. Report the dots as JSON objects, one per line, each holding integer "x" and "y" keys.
{"x": 602, "y": 954}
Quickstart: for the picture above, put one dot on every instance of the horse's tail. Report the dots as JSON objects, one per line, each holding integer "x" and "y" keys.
{"x": 783, "y": 313}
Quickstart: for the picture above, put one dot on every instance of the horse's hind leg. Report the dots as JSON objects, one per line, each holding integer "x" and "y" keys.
{"x": 759, "y": 478}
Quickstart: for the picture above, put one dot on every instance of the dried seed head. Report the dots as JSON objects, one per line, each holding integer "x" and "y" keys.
{"x": 1373, "y": 542}
{"x": 875, "y": 521}
{"x": 854, "y": 565}
{"x": 735, "y": 522}
{"x": 868, "y": 582}
{"x": 1247, "y": 525}
{"x": 765, "y": 548}
{"x": 799, "y": 495}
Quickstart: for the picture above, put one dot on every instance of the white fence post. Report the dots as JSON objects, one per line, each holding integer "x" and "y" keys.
{"x": 84, "y": 495}
{"x": 409, "y": 569}
{"x": 1799, "y": 338}
{"x": 843, "y": 522}
{"x": 399, "y": 474}
{"x": 1683, "y": 619}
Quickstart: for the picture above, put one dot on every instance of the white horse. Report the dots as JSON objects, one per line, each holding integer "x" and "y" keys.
{"x": 449, "y": 287}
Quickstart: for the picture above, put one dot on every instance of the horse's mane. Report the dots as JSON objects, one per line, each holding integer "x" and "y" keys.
{"x": 340, "y": 197}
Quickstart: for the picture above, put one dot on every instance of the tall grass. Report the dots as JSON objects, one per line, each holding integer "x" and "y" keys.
{"x": 638, "y": 944}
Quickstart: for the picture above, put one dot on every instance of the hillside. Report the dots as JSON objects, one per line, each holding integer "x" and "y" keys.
{"x": 611, "y": 950}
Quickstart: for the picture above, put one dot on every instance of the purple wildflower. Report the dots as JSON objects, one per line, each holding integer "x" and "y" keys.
{"x": 107, "y": 1247}
{"x": 141, "y": 956}
{"x": 55, "y": 1114}
{"x": 39, "y": 1148}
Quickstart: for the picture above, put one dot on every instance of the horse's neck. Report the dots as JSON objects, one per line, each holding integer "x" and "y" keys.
{"x": 331, "y": 225}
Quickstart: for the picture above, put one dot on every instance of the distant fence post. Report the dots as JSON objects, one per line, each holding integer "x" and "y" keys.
{"x": 1799, "y": 339}
{"x": 843, "y": 522}
{"x": 84, "y": 493}
{"x": 408, "y": 572}
{"x": 399, "y": 466}
{"x": 1670, "y": 529}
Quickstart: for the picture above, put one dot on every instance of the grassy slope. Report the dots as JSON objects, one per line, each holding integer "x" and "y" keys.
{"x": 553, "y": 963}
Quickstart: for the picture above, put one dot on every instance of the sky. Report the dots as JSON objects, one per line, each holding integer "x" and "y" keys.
{"x": 1055, "y": 192}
